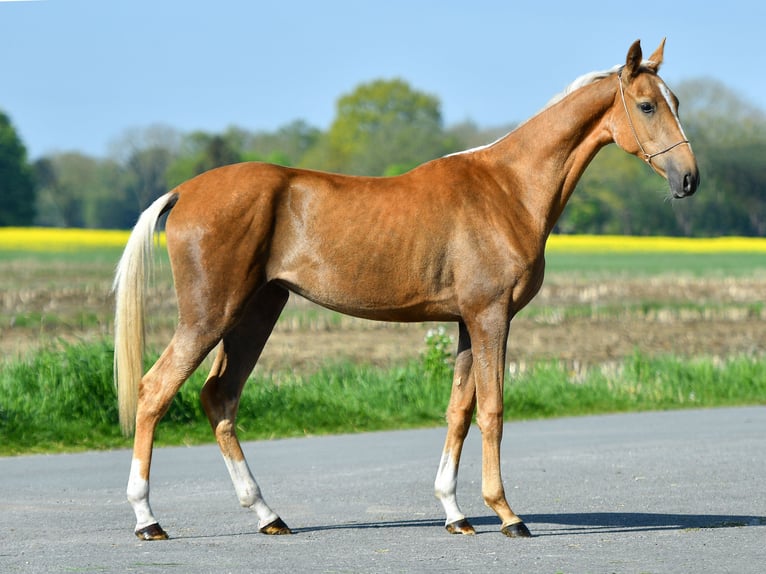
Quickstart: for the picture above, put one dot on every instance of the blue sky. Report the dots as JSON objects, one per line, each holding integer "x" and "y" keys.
{"x": 76, "y": 74}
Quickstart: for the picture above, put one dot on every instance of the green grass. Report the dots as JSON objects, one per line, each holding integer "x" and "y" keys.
{"x": 651, "y": 264}
{"x": 638, "y": 384}
{"x": 63, "y": 399}
{"x": 107, "y": 256}
{"x": 642, "y": 310}
{"x": 721, "y": 264}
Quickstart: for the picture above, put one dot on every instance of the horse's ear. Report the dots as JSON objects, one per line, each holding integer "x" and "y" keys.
{"x": 633, "y": 61}
{"x": 655, "y": 60}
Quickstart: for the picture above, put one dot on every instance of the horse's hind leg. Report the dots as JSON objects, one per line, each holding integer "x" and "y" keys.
{"x": 459, "y": 413}
{"x": 220, "y": 396}
{"x": 156, "y": 391}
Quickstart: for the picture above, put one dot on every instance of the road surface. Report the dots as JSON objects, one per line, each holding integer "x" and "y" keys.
{"x": 645, "y": 493}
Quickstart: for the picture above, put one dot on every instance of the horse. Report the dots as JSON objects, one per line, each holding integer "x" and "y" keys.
{"x": 457, "y": 239}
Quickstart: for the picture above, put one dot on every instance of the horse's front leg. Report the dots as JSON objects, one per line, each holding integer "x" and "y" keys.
{"x": 489, "y": 336}
{"x": 459, "y": 413}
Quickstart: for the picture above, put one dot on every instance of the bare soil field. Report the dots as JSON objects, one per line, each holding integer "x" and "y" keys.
{"x": 576, "y": 320}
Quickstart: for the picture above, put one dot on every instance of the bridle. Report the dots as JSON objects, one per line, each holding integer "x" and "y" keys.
{"x": 647, "y": 157}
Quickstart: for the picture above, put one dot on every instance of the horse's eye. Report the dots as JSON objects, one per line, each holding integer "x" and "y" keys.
{"x": 646, "y": 107}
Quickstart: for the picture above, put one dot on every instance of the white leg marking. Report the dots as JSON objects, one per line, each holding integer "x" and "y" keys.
{"x": 138, "y": 496}
{"x": 445, "y": 488}
{"x": 248, "y": 491}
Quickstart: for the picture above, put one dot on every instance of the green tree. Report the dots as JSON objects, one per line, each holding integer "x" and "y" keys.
{"x": 75, "y": 190}
{"x": 218, "y": 152}
{"x": 286, "y": 146}
{"x": 17, "y": 187}
{"x": 384, "y": 126}
{"x": 467, "y": 135}
{"x": 145, "y": 154}
{"x": 200, "y": 152}
{"x": 712, "y": 113}
{"x": 729, "y": 139}
{"x": 617, "y": 194}
{"x": 146, "y": 169}
{"x": 614, "y": 196}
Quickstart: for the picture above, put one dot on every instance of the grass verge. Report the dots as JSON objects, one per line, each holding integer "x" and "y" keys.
{"x": 63, "y": 399}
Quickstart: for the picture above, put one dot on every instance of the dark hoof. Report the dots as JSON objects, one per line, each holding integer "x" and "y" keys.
{"x": 275, "y": 528}
{"x": 516, "y": 530}
{"x": 460, "y": 527}
{"x": 152, "y": 532}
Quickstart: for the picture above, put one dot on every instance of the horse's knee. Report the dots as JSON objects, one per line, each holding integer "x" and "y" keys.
{"x": 490, "y": 423}
{"x": 459, "y": 421}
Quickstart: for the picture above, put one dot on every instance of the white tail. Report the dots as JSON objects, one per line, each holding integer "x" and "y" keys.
{"x": 130, "y": 283}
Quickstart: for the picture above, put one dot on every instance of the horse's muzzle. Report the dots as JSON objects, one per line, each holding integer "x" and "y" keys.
{"x": 684, "y": 185}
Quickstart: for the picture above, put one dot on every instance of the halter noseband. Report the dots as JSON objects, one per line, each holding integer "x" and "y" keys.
{"x": 647, "y": 157}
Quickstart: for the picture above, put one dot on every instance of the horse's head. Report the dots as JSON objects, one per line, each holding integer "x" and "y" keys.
{"x": 646, "y": 122}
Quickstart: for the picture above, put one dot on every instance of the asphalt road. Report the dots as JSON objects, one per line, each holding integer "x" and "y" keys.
{"x": 645, "y": 493}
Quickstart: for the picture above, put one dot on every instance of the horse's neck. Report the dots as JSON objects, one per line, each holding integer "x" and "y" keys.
{"x": 545, "y": 157}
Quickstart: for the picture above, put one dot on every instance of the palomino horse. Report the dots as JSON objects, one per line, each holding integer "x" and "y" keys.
{"x": 460, "y": 238}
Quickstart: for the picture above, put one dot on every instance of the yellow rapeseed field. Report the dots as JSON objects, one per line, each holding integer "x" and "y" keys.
{"x": 632, "y": 244}
{"x": 50, "y": 239}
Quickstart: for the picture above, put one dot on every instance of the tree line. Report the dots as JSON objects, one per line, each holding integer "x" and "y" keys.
{"x": 385, "y": 127}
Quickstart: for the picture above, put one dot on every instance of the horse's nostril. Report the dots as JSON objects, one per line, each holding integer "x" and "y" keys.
{"x": 690, "y": 183}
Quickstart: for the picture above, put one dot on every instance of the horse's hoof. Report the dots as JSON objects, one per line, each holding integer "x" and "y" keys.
{"x": 516, "y": 530}
{"x": 461, "y": 526}
{"x": 275, "y": 528}
{"x": 152, "y": 532}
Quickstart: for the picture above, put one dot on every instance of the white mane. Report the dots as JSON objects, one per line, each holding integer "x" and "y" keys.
{"x": 587, "y": 79}
{"x": 581, "y": 82}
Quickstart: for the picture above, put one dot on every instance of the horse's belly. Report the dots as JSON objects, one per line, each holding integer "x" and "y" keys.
{"x": 381, "y": 300}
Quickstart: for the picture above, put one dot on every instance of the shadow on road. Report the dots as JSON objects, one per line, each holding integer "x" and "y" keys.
{"x": 599, "y": 522}
{"x": 576, "y": 523}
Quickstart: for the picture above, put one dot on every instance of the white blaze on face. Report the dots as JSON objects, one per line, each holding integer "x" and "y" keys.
{"x": 665, "y": 91}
